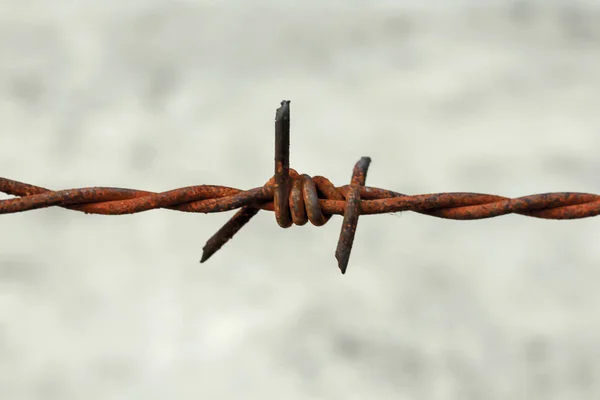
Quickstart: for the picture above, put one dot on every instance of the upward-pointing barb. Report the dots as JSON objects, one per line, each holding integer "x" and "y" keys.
{"x": 282, "y": 165}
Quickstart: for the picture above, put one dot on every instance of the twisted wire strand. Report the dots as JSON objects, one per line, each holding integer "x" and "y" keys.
{"x": 297, "y": 199}
{"x": 324, "y": 200}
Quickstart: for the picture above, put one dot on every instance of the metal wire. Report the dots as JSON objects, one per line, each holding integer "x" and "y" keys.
{"x": 296, "y": 199}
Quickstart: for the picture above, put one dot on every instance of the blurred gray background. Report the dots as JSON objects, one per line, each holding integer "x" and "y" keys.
{"x": 494, "y": 97}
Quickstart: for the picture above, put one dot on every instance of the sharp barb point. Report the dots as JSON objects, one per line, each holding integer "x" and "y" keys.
{"x": 205, "y": 256}
{"x": 342, "y": 261}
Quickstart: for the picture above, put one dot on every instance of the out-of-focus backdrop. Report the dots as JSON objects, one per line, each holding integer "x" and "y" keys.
{"x": 492, "y": 97}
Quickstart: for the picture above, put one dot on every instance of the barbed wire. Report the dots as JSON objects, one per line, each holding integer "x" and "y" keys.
{"x": 297, "y": 199}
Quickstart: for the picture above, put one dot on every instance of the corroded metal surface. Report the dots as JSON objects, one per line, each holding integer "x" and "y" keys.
{"x": 297, "y": 199}
{"x": 351, "y": 213}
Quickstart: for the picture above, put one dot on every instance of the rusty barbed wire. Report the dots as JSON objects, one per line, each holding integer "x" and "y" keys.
{"x": 297, "y": 199}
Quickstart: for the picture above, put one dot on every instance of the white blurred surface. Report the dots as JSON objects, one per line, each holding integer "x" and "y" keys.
{"x": 496, "y": 98}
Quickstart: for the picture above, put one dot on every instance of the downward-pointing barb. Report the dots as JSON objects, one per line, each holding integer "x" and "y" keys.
{"x": 351, "y": 213}
{"x": 231, "y": 227}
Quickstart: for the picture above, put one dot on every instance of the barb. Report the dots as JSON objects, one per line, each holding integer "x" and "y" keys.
{"x": 297, "y": 199}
